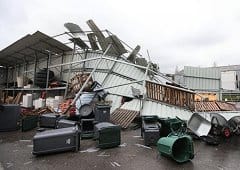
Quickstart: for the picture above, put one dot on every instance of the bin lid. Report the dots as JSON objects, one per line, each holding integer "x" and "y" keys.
{"x": 104, "y": 125}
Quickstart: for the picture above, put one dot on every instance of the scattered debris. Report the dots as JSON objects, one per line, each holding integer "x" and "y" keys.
{"x": 25, "y": 140}
{"x": 143, "y": 146}
{"x": 89, "y": 150}
{"x": 103, "y": 154}
{"x": 114, "y": 164}
{"x": 1, "y": 167}
{"x": 123, "y": 145}
{"x": 137, "y": 136}
{"x": 9, "y": 164}
{"x": 29, "y": 162}
{"x": 117, "y": 164}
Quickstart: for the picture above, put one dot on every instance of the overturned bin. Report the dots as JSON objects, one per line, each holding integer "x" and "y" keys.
{"x": 56, "y": 140}
{"x": 170, "y": 125}
{"x": 179, "y": 148}
{"x": 107, "y": 135}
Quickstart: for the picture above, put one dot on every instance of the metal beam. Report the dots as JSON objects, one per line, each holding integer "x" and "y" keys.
{"x": 85, "y": 83}
{"x": 37, "y": 51}
{"x": 43, "y": 41}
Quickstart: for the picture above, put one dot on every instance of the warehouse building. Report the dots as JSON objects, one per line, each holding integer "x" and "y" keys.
{"x": 211, "y": 83}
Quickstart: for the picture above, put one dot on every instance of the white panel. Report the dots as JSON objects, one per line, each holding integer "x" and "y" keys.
{"x": 129, "y": 71}
{"x": 134, "y": 105}
{"x": 164, "y": 111}
{"x": 115, "y": 101}
{"x": 226, "y": 114}
{"x": 125, "y": 90}
{"x": 228, "y": 80}
{"x": 99, "y": 77}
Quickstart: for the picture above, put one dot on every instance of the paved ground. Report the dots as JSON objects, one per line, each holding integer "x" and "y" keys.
{"x": 16, "y": 147}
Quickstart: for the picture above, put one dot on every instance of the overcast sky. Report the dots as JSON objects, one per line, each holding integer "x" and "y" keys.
{"x": 176, "y": 32}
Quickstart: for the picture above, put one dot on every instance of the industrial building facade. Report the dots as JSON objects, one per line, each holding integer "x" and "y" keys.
{"x": 211, "y": 83}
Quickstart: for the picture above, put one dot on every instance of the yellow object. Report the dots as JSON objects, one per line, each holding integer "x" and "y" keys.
{"x": 205, "y": 97}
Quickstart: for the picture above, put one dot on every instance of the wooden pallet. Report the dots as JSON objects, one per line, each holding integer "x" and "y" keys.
{"x": 123, "y": 117}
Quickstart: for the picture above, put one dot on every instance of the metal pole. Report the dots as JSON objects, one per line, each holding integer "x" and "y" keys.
{"x": 7, "y": 79}
{"x": 132, "y": 82}
{"x": 48, "y": 62}
{"x": 70, "y": 69}
{"x": 35, "y": 69}
{"x": 61, "y": 68}
{"x": 119, "y": 61}
{"x": 85, "y": 83}
{"x": 144, "y": 84}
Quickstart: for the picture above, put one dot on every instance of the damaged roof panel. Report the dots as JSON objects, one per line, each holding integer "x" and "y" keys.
{"x": 116, "y": 101}
{"x": 99, "y": 77}
{"x": 114, "y": 80}
{"x": 206, "y": 106}
{"x": 226, "y": 106}
{"x": 129, "y": 71}
{"x": 134, "y": 105}
{"x": 213, "y": 106}
{"x": 164, "y": 110}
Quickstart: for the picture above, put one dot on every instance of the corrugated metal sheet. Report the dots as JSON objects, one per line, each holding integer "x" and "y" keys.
{"x": 134, "y": 105}
{"x": 202, "y": 84}
{"x": 213, "y": 106}
{"x": 120, "y": 68}
{"x": 207, "y": 72}
{"x": 121, "y": 90}
{"x": 123, "y": 117}
{"x": 104, "y": 64}
{"x": 11, "y": 55}
{"x": 226, "y": 106}
{"x": 226, "y": 114}
{"x": 206, "y": 106}
{"x": 202, "y": 78}
{"x": 99, "y": 77}
{"x": 164, "y": 111}
{"x": 129, "y": 71}
{"x": 115, "y": 100}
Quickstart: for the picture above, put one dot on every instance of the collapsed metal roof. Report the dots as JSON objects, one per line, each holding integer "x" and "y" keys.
{"x": 31, "y": 46}
{"x": 122, "y": 72}
{"x": 213, "y": 106}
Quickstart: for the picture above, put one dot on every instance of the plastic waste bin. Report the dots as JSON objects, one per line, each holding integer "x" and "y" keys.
{"x": 102, "y": 112}
{"x": 170, "y": 125}
{"x": 179, "y": 148}
{"x": 107, "y": 135}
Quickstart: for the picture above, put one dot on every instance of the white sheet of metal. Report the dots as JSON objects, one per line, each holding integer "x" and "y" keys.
{"x": 115, "y": 101}
{"x": 164, "y": 111}
{"x": 226, "y": 114}
{"x": 202, "y": 78}
{"x": 125, "y": 90}
{"x": 129, "y": 71}
{"x": 99, "y": 77}
{"x": 134, "y": 105}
